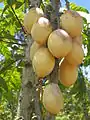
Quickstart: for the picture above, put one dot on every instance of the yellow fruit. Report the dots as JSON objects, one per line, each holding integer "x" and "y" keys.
{"x": 34, "y": 47}
{"x": 76, "y": 55}
{"x": 78, "y": 39}
{"x": 53, "y": 98}
{"x": 31, "y": 17}
{"x": 67, "y": 73}
{"x": 41, "y": 30}
{"x": 43, "y": 62}
{"x": 71, "y": 22}
{"x": 59, "y": 43}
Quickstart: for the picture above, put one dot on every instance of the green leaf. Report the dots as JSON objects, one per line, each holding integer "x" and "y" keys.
{"x": 7, "y": 65}
{"x": 18, "y": 4}
{"x": 11, "y": 2}
{"x": 3, "y": 84}
{"x": 75, "y": 88}
{"x": 78, "y": 8}
{"x": 18, "y": 56}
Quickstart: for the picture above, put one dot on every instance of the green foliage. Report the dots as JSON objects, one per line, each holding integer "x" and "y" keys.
{"x": 77, "y": 97}
{"x": 11, "y": 59}
{"x": 3, "y": 84}
{"x": 73, "y": 6}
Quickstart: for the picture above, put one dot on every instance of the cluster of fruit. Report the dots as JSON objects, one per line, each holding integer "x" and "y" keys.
{"x": 64, "y": 43}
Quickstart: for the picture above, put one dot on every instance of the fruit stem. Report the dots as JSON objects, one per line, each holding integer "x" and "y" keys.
{"x": 35, "y": 3}
{"x": 25, "y": 6}
{"x": 56, "y": 4}
{"x": 53, "y": 77}
{"x": 67, "y": 4}
{"x": 18, "y": 19}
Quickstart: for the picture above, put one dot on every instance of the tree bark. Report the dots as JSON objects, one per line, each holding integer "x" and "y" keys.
{"x": 54, "y": 18}
{"x": 28, "y": 105}
{"x": 27, "y": 86}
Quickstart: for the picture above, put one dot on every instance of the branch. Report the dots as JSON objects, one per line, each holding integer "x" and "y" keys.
{"x": 37, "y": 105}
{"x": 35, "y": 3}
{"x": 1, "y": 37}
{"x": 40, "y": 1}
{"x": 55, "y": 20}
{"x": 28, "y": 81}
{"x": 67, "y": 4}
{"x": 13, "y": 42}
{"x": 18, "y": 19}
{"x": 25, "y": 6}
{"x": 53, "y": 77}
{"x": 9, "y": 65}
{"x": 56, "y": 6}
{"x": 49, "y": 116}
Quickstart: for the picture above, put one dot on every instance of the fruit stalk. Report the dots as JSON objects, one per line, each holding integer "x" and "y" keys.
{"x": 53, "y": 77}
{"x": 29, "y": 102}
{"x": 18, "y": 19}
{"x": 67, "y": 4}
{"x": 35, "y": 2}
{"x": 56, "y": 6}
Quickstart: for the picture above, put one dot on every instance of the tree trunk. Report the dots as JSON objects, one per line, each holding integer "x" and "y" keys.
{"x": 28, "y": 104}
{"x": 53, "y": 77}
{"x": 27, "y": 87}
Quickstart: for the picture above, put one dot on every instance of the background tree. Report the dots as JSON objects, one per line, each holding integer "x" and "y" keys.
{"x": 14, "y": 52}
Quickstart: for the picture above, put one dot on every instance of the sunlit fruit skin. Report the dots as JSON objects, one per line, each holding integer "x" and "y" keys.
{"x": 43, "y": 62}
{"x": 33, "y": 49}
{"x": 71, "y": 22}
{"x": 53, "y": 98}
{"x": 59, "y": 43}
{"x": 41, "y": 30}
{"x": 76, "y": 55}
{"x": 67, "y": 73}
{"x": 31, "y": 17}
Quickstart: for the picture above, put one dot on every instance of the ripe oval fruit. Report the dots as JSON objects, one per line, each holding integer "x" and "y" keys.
{"x": 71, "y": 22}
{"x": 34, "y": 47}
{"x": 41, "y": 30}
{"x": 59, "y": 43}
{"x": 76, "y": 55}
{"x": 67, "y": 73}
{"x": 43, "y": 62}
{"x": 53, "y": 98}
{"x": 31, "y": 17}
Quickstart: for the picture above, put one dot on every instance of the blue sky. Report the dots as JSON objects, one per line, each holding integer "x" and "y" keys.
{"x": 1, "y": 5}
{"x": 84, "y": 3}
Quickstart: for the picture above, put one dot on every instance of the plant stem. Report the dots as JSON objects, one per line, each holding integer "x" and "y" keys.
{"x": 67, "y": 4}
{"x": 18, "y": 19}
{"x": 9, "y": 65}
